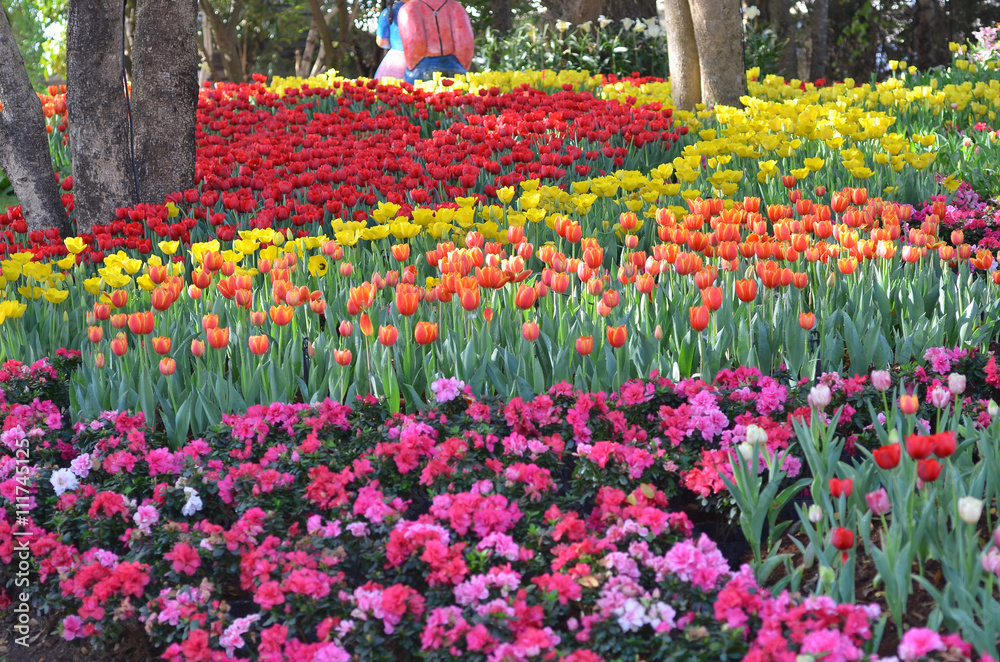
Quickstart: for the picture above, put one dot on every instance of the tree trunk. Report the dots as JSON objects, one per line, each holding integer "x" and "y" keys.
{"x": 573, "y": 11}
{"x": 682, "y": 53}
{"x": 819, "y": 28}
{"x": 319, "y": 21}
{"x": 925, "y": 25}
{"x": 224, "y": 37}
{"x": 24, "y": 147}
{"x": 95, "y": 102}
{"x": 501, "y": 18}
{"x": 165, "y": 96}
{"x": 718, "y": 30}
{"x": 784, "y": 28}
{"x": 345, "y": 44}
{"x": 305, "y": 62}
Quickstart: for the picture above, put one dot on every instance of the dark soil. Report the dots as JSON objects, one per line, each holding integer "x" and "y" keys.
{"x": 45, "y": 645}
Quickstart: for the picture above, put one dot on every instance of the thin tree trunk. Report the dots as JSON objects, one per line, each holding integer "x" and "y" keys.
{"x": 319, "y": 21}
{"x": 95, "y": 102}
{"x": 305, "y": 61}
{"x": 819, "y": 28}
{"x": 165, "y": 98}
{"x": 718, "y": 30}
{"x": 224, "y": 36}
{"x": 212, "y": 69}
{"x": 682, "y": 53}
{"x": 24, "y": 147}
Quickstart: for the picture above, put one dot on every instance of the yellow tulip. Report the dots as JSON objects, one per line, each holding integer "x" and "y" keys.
{"x": 75, "y": 245}
{"x": 169, "y": 247}
{"x": 53, "y": 295}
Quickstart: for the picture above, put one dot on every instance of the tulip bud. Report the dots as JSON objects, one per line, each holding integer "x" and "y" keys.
{"x": 879, "y": 501}
{"x": 99, "y": 360}
{"x": 909, "y": 404}
{"x": 881, "y": 380}
{"x": 658, "y": 333}
{"x": 746, "y": 451}
{"x": 198, "y": 348}
{"x": 894, "y": 436}
{"x": 992, "y": 408}
{"x": 970, "y": 509}
{"x": 815, "y": 514}
{"x": 956, "y": 383}
{"x": 756, "y": 435}
{"x": 940, "y": 397}
{"x": 819, "y": 396}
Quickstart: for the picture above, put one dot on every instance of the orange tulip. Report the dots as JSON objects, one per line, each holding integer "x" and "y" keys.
{"x": 162, "y": 298}
{"x": 584, "y": 345}
{"x": 366, "y": 325}
{"x": 281, "y": 315}
{"x": 363, "y": 295}
{"x": 746, "y": 290}
{"x": 530, "y": 330}
{"x": 807, "y": 320}
{"x": 526, "y": 296}
{"x": 699, "y": 317}
{"x": 425, "y": 333}
{"x": 258, "y": 344}
{"x": 210, "y": 322}
{"x": 119, "y": 298}
{"x": 318, "y": 306}
{"x": 343, "y": 356}
{"x": 95, "y": 333}
{"x": 387, "y": 335}
{"x": 488, "y": 315}
{"x": 345, "y": 328}
{"x": 101, "y": 311}
{"x": 218, "y": 338}
{"x": 258, "y": 317}
{"x": 194, "y": 291}
{"x": 201, "y": 279}
{"x": 847, "y": 265}
{"x": 401, "y": 252}
{"x": 99, "y": 360}
{"x": 198, "y": 348}
{"x": 712, "y": 297}
{"x": 141, "y": 323}
{"x": 119, "y": 321}
{"x": 407, "y": 299}
{"x": 120, "y": 344}
{"x": 617, "y": 336}
{"x": 168, "y": 366}
{"x": 161, "y": 345}
{"x": 469, "y": 297}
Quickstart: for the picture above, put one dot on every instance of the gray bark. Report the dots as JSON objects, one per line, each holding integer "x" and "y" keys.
{"x": 165, "y": 96}
{"x": 682, "y": 52}
{"x": 319, "y": 23}
{"x": 95, "y": 102}
{"x": 718, "y": 30}
{"x": 819, "y": 27}
{"x": 24, "y": 146}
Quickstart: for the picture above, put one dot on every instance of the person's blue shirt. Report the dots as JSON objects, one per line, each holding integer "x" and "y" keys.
{"x": 390, "y": 31}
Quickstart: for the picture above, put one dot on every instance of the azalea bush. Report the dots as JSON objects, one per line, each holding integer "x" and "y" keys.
{"x": 329, "y": 531}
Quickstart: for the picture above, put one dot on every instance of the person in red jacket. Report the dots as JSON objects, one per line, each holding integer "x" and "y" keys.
{"x": 437, "y": 36}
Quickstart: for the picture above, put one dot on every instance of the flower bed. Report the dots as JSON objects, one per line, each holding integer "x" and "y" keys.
{"x": 474, "y": 529}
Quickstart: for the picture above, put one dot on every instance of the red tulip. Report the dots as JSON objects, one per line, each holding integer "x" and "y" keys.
{"x": 101, "y": 311}
{"x": 909, "y": 404}
{"x": 887, "y": 457}
{"x": 699, "y": 317}
{"x": 119, "y": 298}
{"x": 584, "y": 345}
{"x": 198, "y": 348}
{"x": 944, "y": 444}
{"x": 928, "y": 470}
{"x": 210, "y": 322}
{"x": 407, "y": 299}
{"x": 842, "y": 539}
{"x": 161, "y": 345}
{"x": 343, "y": 357}
{"x": 168, "y": 366}
{"x": 838, "y": 487}
{"x": 95, "y": 333}
{"x": 920, "y": 447}
{"x": 258, "y": 317}
{"x": 530, "y": 331}
{"x": 345, "y": 328}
